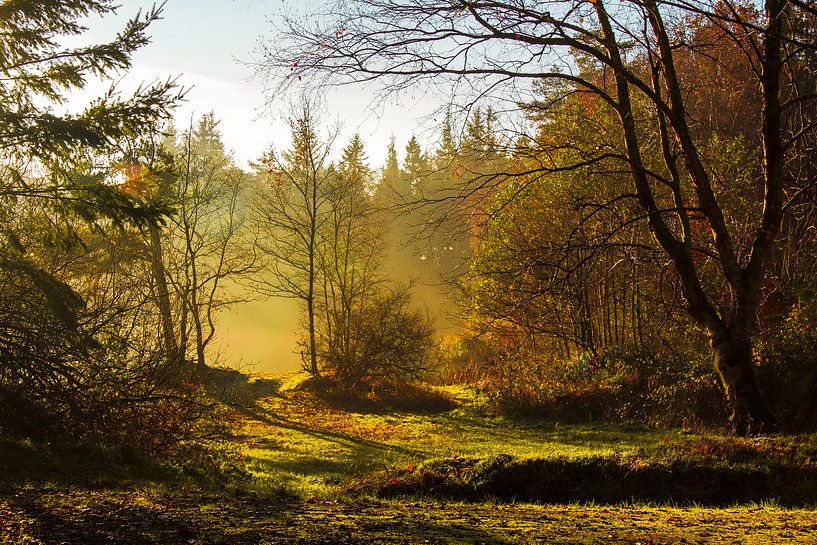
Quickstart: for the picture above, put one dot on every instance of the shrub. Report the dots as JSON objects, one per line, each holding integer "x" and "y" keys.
{"x": 462, "y": 359}
{"x": 388, "y": 341}
{"x": 787, "y": 357}
{"x": 616, "y": 384}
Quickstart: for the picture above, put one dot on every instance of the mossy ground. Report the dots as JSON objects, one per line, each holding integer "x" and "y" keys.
{"x": 318, "y": 468}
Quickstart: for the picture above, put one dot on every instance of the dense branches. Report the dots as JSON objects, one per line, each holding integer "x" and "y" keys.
{"x": 81, "y": 358}
{"x": 290, "y": 211}
{"x": 629, "y": 57}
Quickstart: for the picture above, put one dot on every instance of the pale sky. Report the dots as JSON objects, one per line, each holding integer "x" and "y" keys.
{"x": 208, "y": 43}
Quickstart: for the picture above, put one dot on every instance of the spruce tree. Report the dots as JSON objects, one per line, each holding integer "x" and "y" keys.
{"x": 207, "y": 138}
{"x": 416, "y": 168}
{"x": 445, "y": 158}
{"x": 63, "y": 176}
{"x": 353, "y": 165}
{"x": 42, "y": 149}
{"x": 392, "y": 171}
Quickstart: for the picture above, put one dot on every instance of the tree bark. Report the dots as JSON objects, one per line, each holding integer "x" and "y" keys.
{"x": 162, "y": 296}
{"x": 313, "y": 345}
{"x": 310, "y": 299}
{"x": 201, "y": 361}
{"x": 732, "y": 359}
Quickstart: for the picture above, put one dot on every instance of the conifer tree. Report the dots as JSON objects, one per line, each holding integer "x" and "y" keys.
{"x": 389, "y": 191}
{"x": 39, "y": 74}
{"x": 207, "y": 138}
{"x": 416, "y": 168}
{"x": 391, "y": 174}
{"x": 64, "y": 178}
{"x": 60, "y": 161}
{"x": 446, "y": 155}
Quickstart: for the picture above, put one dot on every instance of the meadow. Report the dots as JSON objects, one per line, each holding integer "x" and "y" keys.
{"x": 307, "y": 468}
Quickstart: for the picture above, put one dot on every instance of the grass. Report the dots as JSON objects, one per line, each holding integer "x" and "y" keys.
{"x": 309, "y": 447}
{"x": 27, "y": 464}
{"x": 142, "y": 519}
{"x": 322, "y": 470}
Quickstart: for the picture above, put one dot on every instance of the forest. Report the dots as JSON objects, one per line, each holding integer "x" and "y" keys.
{"x": 577, "y": 305}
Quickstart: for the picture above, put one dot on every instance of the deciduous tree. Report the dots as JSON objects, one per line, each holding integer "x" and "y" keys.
{"x": 622, "y": 54}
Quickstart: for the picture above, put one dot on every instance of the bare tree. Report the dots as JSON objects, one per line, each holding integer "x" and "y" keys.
{"x": 493, "y": 48}
{"x": 289, "y": 211}
{"x": 207, "y": 247}
{"x": 197, "y": 258}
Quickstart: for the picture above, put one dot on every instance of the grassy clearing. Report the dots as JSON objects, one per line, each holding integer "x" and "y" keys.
{"x": 306, "y": 446}
{"x": 309, "y": 447}
{"x": 321, "y": 471}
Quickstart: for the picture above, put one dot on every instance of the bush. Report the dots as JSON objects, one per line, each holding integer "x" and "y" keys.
{"x": 388, "y": 342}
{"x": 603, "y": 479}
{"x": 107, "y": 400}
{"x": 787, "y": 359}
{"x": 616, "y": 384}
{"x": 461, "y": 360}
{"x": 73, "y": 370}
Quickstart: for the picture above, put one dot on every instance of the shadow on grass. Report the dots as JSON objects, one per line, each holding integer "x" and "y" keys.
{"x": 126, "y": 519}
{"x": 93, "y": 522}
{"x": 549, "y": 436}
{"x": 337, "y": 455}
{"x": 86, "y": 465}
{"x": 234, "y": 387}
{"x": 268, "y": 417}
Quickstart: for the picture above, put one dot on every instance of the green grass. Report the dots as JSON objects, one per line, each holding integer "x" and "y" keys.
{"x": 300, "y": 444}
{"x": 27, "y": 464}
{"x": 315, "y": 466}
{"x": 131, "y": 518}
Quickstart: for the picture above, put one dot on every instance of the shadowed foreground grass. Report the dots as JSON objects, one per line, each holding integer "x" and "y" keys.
{"x": 330, "y": 471}
{"x": 45, "y": 516}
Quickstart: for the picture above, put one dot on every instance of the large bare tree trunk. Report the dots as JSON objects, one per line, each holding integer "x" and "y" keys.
{"x": 732, "y": 358}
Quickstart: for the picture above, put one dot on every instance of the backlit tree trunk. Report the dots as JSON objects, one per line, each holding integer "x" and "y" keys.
{"x": 733, "y": 361}
{"x": 162, "y": 295}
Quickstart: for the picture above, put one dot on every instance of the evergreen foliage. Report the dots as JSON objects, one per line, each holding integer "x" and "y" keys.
{"x": 68, "y": 184}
